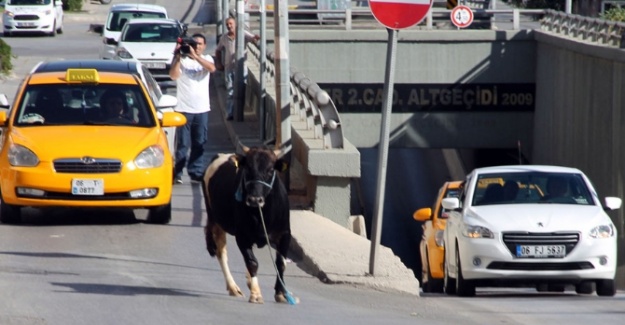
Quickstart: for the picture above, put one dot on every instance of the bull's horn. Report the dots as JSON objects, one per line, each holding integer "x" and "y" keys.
{"x": 245, "y": 148}
{"x": 278, "y": 152}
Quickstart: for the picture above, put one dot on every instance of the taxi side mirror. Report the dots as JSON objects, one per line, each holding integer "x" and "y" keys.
{"x": 423, "y": 214}
{"x": 3, "y": 118}
{"x": 169, "y": 119}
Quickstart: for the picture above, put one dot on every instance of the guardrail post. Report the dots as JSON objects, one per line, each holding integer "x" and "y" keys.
{"x": 516, "y": 17}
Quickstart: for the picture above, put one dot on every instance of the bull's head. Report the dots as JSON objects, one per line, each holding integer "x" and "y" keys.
{"x": 258, "y": 167}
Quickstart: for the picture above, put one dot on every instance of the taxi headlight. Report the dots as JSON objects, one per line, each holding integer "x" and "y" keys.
{"x": 21, "y": 156}
{"x": 602, "y": 231}
{"x": 123, "y": 53}
{"x": 151, "y": 157}
{"x": 477, "y": 232}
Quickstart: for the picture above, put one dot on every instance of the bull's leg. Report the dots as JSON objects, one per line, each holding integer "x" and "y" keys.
{"x": 282, "y": 249}
{"x": 252, "y": 269}
{"x": 219, "y": 238}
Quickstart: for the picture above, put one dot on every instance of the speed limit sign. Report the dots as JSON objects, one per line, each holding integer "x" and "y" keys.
{"x": 462, "y": 16}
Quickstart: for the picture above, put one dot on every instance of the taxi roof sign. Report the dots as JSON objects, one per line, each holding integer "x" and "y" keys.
{"x": 82, "y": 75}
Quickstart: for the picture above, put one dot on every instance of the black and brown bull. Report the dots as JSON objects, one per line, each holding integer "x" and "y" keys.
{"x": 241, "y": 192}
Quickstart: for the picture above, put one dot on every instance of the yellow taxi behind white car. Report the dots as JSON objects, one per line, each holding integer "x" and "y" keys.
{"x": 58, "y": 150}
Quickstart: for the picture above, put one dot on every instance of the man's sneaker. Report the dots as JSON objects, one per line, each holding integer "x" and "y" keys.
{"x": 196, "y": 180}
{"x": 178, "y": 180}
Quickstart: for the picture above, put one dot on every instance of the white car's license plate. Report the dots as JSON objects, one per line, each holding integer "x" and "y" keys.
{"x": 155, "y": 65}
{"x": 26, "y": 24}
{"x": 82, "y": 186}
{"x": 540, "y": 251}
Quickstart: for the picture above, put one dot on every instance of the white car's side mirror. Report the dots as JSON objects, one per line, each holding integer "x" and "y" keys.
{"x": 167, "y": 101}
{"x": 613, "y": 203}
{"x": 4, "y": 101}
{"x": 451, "y": 203}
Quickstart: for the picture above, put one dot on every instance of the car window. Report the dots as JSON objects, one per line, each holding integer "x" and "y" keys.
{"x": 117, "y": 19}
{"x": 162, "y": 33}
{"x": 72, "y": 104}
{"x": 531, "y": 187}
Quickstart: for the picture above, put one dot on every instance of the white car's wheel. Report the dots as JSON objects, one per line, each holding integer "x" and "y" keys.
{"x": 606, "y": 288}
{"x": 464, "y": 288}
{"x": 449, "y": 284}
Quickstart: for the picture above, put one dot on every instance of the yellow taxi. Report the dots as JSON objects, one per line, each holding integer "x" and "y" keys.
{"x": 61, "y": 147}
{"x": 431, "y": 246}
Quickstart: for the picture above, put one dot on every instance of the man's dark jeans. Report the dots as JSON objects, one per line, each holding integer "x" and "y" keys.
{"x": 192, "y": 136}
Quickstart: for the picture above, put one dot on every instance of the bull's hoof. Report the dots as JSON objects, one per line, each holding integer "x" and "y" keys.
{"x": 256, "y": 299}
{"x": 281, "y": 298}
{"x": 235, "y": 292}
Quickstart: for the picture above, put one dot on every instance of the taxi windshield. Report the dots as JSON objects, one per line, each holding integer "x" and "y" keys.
{"x": 84, "y": 104}
{"x": 29, "y": 2}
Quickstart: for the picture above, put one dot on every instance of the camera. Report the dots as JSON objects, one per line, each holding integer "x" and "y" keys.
{"x": 186, "y": 43}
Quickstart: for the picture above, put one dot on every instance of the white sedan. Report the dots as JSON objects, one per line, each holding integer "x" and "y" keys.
{"x": 530, "y": 225}
{"x": 152, "y": 42}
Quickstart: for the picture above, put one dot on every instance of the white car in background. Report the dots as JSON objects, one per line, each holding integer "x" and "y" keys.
{"x": 530, "y": 225}
{"x": 32, "y": 16}
{"x": 151, "y": 42}
{"x": 118, "y": 16}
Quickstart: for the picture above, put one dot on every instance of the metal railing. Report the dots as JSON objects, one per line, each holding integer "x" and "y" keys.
{"x": 309, "y": 103}
{"x": 594, "y": 30}
{"x": 362, "y": 18}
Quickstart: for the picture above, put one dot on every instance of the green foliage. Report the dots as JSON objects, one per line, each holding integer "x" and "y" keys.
{"x": 73, "y": 5}
{"x": 5, "y": 57}
{"x": 614, "y": 14}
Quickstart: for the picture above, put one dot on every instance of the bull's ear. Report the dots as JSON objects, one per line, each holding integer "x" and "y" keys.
{"x": 281, "y": 165}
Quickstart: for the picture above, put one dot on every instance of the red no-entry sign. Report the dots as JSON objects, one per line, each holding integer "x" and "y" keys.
{"x": 399, "y": 14}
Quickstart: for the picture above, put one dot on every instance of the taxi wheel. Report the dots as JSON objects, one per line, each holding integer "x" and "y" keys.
{"x": 160, "y": 215}
{"x": 584, "y": 288}
{"x": 10, "y": 214}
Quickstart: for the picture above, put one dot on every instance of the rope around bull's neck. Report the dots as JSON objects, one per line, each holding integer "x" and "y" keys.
{"x": 289, "y": 297}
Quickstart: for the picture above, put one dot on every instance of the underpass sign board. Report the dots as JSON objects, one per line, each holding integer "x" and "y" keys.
{"x": 399, "y": 14}
{"x": 461, "y": 16}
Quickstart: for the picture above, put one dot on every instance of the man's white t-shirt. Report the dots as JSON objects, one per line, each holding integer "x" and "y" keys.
{"x": 192, "y": 86}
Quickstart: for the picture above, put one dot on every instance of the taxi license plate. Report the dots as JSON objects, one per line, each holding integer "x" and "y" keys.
{"x": 81, "y": 186}
{"x": 540, "y": 251}
{"x": 155, "y": 65}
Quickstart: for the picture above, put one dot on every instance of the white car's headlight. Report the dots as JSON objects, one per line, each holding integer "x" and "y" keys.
{"x": 151, "y": 157}
{"x": 9, "y": 13}
{"x": 477, "y": 232}
{"x": 123, "y": 53}
{"x": 21, "y": 156}
{"x": 602, "y": 231}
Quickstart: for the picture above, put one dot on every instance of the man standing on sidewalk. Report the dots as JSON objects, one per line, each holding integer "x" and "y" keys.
{"x": 192, "y": 73}
{"x": 227, "y": 44}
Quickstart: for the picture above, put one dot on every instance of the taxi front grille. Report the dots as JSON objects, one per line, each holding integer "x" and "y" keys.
{"x": 87, "y": 166}
{"x": 26, "y": 17}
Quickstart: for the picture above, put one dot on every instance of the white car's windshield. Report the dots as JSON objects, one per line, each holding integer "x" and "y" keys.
{"x": 158, "y": 33}
{"x": 117, "y": 20}
{"x": 531, "y": 187}
{"x": 43, "y": 105}
{"x": 29, "y": 2}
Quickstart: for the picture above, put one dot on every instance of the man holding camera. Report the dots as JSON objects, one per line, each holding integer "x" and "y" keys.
{"x": 191, "y": 69}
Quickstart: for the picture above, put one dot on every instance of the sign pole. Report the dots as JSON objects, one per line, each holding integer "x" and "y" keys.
{"x": 383, "y": 146}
